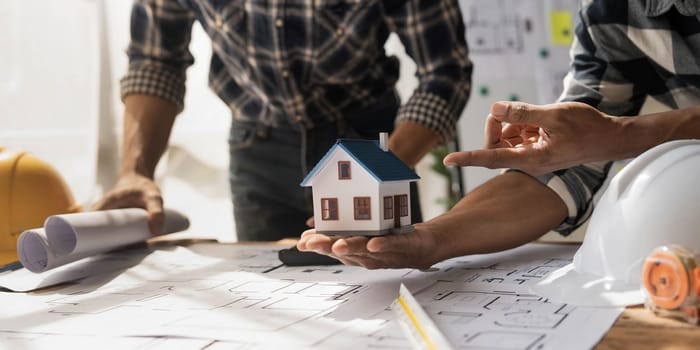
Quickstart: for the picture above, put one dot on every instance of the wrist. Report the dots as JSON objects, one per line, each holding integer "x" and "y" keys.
{"x": 411, "y": 141}
{"x": 134, "y": 174}
{"x": 134, "y": 163}
{"x": 443, "y": 242}
{"x": 637, "y": 134}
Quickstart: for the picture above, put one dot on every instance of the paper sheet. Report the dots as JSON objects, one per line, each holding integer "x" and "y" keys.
{"x": 227, "y": 293}
{"x": 171, "y": 293}
{"x": 474, "y": 315}
{"x": 417, "y": 324}
{"x": 39, "y": 341}
{"x": 475, "y": 301}
{"x": 70, "y": 237}
{"x": 485, "y": 301}
{"x": 23, "y": 280}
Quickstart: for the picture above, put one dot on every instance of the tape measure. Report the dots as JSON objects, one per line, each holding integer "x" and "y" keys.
{"x": 671, "y": 280}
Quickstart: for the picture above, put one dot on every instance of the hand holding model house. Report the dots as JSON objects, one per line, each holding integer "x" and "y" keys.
{"x": 361, "y": 188}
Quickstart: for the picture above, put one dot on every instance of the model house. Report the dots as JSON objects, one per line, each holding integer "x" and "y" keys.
{"x": 361, "y": 188}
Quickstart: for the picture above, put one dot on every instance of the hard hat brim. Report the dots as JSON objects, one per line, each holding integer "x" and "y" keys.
{"x": 569, "y": 286}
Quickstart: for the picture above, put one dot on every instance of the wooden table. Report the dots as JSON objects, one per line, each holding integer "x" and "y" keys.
{"x": 639, "y": 328}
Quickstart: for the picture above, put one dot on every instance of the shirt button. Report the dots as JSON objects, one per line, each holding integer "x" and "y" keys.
{"x": 218, "y": 22}
{"x": 279, "y": 23}
{"x": 339, "y": 32}
{"x": 298, "y": 118}
{"x": 285, "y": 73}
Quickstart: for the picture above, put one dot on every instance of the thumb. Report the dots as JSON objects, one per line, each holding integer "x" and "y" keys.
{"x": 518, "y": 112}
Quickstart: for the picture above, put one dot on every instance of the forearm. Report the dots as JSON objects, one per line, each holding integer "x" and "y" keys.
{"x": 411, "y": 141}
{"x": 637, "y": 134}
{"x": 148, "y": 121}
{"x": 509, "y": 210}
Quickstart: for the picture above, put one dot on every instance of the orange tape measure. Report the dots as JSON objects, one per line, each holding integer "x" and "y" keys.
{"x": 671, "y": 280}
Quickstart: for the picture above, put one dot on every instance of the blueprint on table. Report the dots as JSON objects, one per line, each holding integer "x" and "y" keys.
{"x": 239, "y": 296}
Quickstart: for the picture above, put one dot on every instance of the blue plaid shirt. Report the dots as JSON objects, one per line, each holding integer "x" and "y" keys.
{"x": 305, "y": 61}
{"x": 624, "y": 52}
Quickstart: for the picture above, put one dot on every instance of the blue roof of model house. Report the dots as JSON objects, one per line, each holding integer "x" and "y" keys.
{"x": 383, "y": 166}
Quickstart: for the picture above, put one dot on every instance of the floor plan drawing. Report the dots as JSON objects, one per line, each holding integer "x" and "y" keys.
{"x": 212, "y": 296}
{"x": 520, "y": 266}
{"x": 475, "y": 314}
{"x": 38, "y": 341}
{"x": 241, "y": 297}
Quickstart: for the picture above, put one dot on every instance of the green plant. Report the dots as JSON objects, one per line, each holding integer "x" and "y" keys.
{"x": 452, "y": 193}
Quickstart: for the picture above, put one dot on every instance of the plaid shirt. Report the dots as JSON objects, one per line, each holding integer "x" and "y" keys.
{"x": 624, "y": 52}
{"x": 306, "y": 61}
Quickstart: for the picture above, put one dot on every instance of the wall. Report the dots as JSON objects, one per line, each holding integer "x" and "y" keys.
{"x": 49, "y": 86}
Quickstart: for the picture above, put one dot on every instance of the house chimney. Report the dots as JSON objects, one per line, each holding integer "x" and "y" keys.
{"x": 384, "y": 141}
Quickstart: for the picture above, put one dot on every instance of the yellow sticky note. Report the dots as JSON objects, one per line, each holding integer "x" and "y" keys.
{"x": 562, "y": 31}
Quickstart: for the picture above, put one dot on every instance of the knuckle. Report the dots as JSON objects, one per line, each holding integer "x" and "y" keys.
{"x": 490, "y": 160}
{"x": 131, "y": 195}
{"x": 519, "y": 111}
{"x": 154, "y": 197}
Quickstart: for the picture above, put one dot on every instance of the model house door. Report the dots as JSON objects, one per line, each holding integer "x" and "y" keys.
{"x": 397, "y": 211}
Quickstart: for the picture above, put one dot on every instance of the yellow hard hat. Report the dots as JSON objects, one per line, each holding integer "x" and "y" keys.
{"x": 30, "y": 191}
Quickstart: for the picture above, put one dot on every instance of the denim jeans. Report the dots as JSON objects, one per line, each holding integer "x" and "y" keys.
{"x": 268, "y": 164}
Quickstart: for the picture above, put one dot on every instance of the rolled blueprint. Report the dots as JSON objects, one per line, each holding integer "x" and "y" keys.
{"x": 69, "y": 237}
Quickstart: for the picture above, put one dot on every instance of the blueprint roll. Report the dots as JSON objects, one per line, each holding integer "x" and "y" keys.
{"x": 69, "y": 237}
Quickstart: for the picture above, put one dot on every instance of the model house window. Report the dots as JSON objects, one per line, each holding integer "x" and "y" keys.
{"x": 362, "y": 208}
{"x": 403, "y": 205}
{"x": 388, "y": 207}
{"x": 329, "y": 208}
{"x": 344, "y": 170}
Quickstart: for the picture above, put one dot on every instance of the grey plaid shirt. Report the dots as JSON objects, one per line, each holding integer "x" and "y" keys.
{"x": 305, "y": 61}
{"x": 623, "y": 52}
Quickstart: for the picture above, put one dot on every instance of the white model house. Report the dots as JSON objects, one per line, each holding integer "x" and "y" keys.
{"x": 361, "y": 188}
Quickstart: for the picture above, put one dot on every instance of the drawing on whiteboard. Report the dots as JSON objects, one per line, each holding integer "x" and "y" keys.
{"x": 494, "y": 28}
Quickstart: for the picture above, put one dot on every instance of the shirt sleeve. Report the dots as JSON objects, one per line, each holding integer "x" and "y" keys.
{"x": 158, "y": 51}
{"x": 433, "y": 34}
{"x": 594, "y": 80}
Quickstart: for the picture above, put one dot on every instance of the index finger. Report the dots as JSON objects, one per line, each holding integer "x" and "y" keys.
{"x": 495, "y": 158}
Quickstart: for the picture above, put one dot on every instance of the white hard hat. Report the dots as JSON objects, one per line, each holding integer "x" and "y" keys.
{"x": 653, "y": 201}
